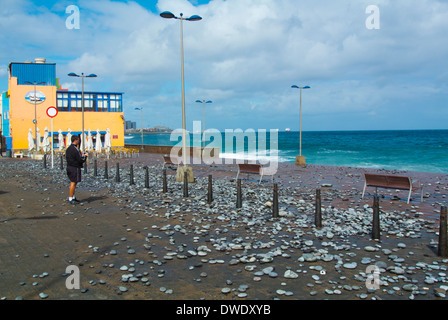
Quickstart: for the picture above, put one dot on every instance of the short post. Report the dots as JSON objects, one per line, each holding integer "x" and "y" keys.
{"x": 185, "y": 185}
{"x": 210, "y": 190}
{"x": 62, "y": 163}
{"x": 131, "y": 175}
{"x": 85, "y": 167}
{"x": 275, "y": 202}
{"x": 165, "y": 184}
{"x": 117, "y": 174}
{"x": 95, "y": 168}
{"x": 376, "y": 219}
{"x": 146, "y": 177}
{"x": 443, "y": 248}
{"x": 239, "y": 195}
{"x": 45, "y": 161}
{"x": 106, "y": 171}
{"x": 318, "y": 211}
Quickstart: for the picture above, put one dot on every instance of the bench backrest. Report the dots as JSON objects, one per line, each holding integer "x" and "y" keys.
{"x": 245, "y": 167}
{"x": 388, "y": 181}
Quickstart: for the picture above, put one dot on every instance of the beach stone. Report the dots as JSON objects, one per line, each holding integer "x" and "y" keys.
{"x": 43, "y": 295}
{"x": 410, "y": 287}
{"x": 396, "y": 270}
{"x": 122, "y": 289}
{"x": 366, "y": 260}
{"x": 350, "y": 265}
{"x": 289, "y": 274}
{"x": 309, "y": 257}
{"x": 280, "y": 292}
{"x": 268, "y": 270}
{"x": 226, "y": 290}
{"x": 309, "y": 243}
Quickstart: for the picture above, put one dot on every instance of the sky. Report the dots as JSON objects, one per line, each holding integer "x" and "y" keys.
{"x": 384, "y": 68}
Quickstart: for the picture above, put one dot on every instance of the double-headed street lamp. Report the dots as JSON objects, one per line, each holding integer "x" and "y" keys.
{"x": 203, "y": 120}
{"x": 141, "y": 116}
{"x": 82, "y": 76}
{"x": 300, "y": 160}
{"x": 35, "y": 112}
{"x": 169, "y": 15}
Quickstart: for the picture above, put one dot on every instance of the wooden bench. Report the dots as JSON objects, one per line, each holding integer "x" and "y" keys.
{"x": 167, "y": 161}
{"x": 390, "y": 182}
{"x": 252, "y": 169}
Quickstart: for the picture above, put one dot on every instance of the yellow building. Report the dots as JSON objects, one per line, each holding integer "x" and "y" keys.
{"x": 33, "y": 88}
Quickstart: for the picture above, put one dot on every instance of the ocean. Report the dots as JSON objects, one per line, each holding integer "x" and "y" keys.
{"x": 413, "y": 150}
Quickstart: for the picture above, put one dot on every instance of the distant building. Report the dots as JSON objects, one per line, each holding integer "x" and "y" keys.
{"x": 102, "y": 110}
{"x": 130, "y": 125}
{"x": 161, "y": 129}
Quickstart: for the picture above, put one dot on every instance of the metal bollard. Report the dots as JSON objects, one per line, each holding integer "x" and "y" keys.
{"x": 117, "y": 174}
{"x": 45, "y": 161}
{"x": 443, "y": 246}
{"x": 131, "y": 175}
{"x": 165, "y": 184}
{"x": 210, "y": 190}
{"x": 146, "y": 177}
{"x": 62, "y": 163}
{"x": 185, "y": 185}
{"x": 275, "y": 202}
{"x": 239, "y": 195}
{"x": 85, "y": 167}
{"x": 95, "y": 168}
{"x": 106, "y": 171}
{"x": 318, "y": 213}
{"x": 376, "y": 219}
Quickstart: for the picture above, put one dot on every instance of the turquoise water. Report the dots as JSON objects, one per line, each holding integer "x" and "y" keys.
{"x": 419, "y": 150}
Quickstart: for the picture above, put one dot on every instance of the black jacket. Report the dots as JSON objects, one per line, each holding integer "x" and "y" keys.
{"x": 73, "y": 157}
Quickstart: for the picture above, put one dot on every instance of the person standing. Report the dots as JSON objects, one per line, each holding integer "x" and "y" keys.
{"x": 75, "y": 161}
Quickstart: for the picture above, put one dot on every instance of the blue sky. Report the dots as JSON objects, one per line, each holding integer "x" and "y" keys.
{"x": 244, "y": 56}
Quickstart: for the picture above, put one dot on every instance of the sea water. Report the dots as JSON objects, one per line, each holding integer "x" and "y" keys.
{"x": 413, "y": 150}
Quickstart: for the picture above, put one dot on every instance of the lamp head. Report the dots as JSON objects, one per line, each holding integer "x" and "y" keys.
{"x": 297, "y": 87}
{"x": 167, "y": 15}
{"x": 72, "y": 74}
{"x": 92, "y": 76}
{"x": 194, "y": 18}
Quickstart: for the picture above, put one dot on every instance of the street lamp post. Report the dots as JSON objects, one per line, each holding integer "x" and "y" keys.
{"x": 169, "y": 15}
{"x": 35, "y": 113}
{"x": 203, "y": 119}
{"x": 82, "y": 76}
{"x": 141, "y": 116}
{"x": 300, "y": 160}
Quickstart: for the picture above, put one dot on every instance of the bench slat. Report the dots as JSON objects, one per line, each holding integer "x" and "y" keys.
{"x": 251, "y": 169}
{"x": 390, "y": 182}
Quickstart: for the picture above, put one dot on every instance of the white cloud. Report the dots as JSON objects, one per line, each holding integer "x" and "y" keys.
{"x": 245, "y": 54}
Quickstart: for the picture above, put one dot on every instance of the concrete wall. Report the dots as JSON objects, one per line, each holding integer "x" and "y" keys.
{"x": 195, "y": 152}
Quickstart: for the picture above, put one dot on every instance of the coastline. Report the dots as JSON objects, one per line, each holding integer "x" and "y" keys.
{"x": 183, "y": 249}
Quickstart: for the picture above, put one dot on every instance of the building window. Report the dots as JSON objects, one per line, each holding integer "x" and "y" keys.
{"x": 93, "y": 102}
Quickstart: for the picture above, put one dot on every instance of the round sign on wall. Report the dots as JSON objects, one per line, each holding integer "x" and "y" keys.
{"x": 52, "y": 112}
{"x": 35, "y": 97}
